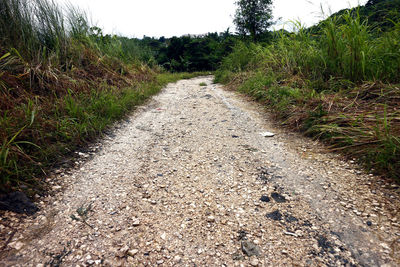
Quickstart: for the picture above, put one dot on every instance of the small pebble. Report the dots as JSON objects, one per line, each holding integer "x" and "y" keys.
{"x": 133, "y": 252}
{"x": 254, "y": 262}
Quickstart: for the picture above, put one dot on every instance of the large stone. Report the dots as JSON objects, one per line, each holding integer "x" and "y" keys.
{"x": 16, "y": 245}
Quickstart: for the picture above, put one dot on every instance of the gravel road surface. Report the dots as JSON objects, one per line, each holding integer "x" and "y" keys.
{"x": 195, "y": 178}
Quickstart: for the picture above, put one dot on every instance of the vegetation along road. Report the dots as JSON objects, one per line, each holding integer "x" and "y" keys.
{"x": 196, "y": 178}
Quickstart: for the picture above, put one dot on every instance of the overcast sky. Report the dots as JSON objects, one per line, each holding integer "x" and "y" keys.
{"x": 155, "y": 18}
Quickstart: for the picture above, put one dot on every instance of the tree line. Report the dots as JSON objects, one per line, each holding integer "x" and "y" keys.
{"x": 252, "y": 19}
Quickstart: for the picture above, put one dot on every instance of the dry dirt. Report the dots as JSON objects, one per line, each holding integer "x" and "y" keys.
{"x": 189, "y": 180}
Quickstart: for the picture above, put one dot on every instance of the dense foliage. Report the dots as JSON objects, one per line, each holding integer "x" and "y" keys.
{"x": 191, "y": 53}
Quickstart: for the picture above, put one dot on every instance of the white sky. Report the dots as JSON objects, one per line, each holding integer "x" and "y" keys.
{"x": 155, "y": 18}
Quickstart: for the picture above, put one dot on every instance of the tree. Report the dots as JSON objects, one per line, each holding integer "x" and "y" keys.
{"x": 253, "y": 17}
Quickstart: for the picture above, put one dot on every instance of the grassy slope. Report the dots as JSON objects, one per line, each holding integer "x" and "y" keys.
{"x": 340, "y": 86}
{"x": 62, "y": 83}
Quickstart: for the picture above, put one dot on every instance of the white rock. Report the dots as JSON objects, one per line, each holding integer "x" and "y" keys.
{"x": 136, "y": 222}
{"x": 385, "y": 246}
{"x": 16, "y": 245}
{"x": 133, "y": 252}
{"x": 290, "y": 233}
{"x": 254, "y": 262}
{"x": 299, "y": 233}
{"x": 163, "y": 236}
{"x": 267, "y": 134}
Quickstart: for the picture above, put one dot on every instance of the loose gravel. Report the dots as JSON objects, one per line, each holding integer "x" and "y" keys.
{"x": 192, "y": 179}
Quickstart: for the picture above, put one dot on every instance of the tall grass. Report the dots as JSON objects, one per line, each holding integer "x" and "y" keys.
{"x": 36, "y": 29}
{"x": 336, "y": 85}
{"x": 45, "y": 33}
{"x": 350, "y": 50}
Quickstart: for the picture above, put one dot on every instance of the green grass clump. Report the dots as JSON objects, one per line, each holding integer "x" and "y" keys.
{"x": 256, "y": 84}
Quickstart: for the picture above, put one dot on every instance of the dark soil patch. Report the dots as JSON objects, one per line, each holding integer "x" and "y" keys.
{"x": 18, "y": 202}
{"x": 275, "y": 215}
{"x": 325, "y": 244}
{"x": 290, "y": 218}
{"x": 265, "y": 199}
{"x": 278, "y": 197}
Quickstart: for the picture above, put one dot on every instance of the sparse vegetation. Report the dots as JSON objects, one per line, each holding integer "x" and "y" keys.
{"x": 340, "y": 85}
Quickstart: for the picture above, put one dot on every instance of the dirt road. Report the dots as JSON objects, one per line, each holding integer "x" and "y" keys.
{"x": 193, "y": 179}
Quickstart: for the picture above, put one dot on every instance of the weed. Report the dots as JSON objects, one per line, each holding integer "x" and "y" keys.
{"x": 57, "y": 259}
{"x": 83, "y": 213}
{"x": 9, "y": 166}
